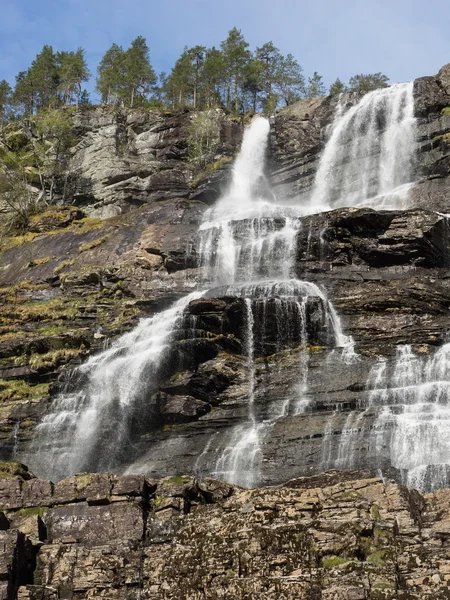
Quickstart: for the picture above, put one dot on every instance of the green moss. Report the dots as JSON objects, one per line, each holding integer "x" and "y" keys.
{"x": 330, "y": 562}
{"x": 84, "y": 480}
{"x": 446, "y": 111}
{"x": 178, "y": 480}
{"x": 18, "y": 389}
{"x": 33, "y": 511}
{"x": 13, "y": 469}
{"x": 210, "y": 168}
{"x": 97, "y": 242}
{"x": 63, "y": 265}
{"x": 54, "y": 358}
{"x": 348, "y": 495}
{"x": 40, "y": 261}
{"x": 378, "y": 558}
{"x": 444, "y": 138}
{"x": 375, "y": 512}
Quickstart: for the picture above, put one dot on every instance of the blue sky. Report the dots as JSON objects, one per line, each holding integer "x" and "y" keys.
{"x": 402, "y": 38}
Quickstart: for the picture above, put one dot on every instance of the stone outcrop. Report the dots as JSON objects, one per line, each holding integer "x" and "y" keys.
{"x": 124, "y": 159}
{"x": 340, "y": 535}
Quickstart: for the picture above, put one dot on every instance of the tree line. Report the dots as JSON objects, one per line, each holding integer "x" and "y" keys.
{"x": 231, "y": 76}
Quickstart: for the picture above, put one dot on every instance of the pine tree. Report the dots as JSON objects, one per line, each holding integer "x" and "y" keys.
{"x": 139, "y": 76}
{"x": 179, "y": 84}
{"x": 337, "y": 88}
{"x": 44, "y": 77}
{"x": 214, "y": 77}
{"x": 270, "y": 59}
{"x": 110, "y": 75}
{"x": 316, "y": 87}
{"x": 366, "y": 83}
{"x": 5, "y": 99}
{"x": 72, "y": 71}
{"x": 253, "y": 85}
{"x": 289, "y": 80}
{"x": 24, "y": 93}
{"x": 236, "y": 57}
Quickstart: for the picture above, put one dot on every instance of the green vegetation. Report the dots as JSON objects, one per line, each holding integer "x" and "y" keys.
{"x": 33, "y": 511}
{"x": 445, "y": 111}
{"x": 94, "y": 243}
{"x": 13, "y": 469}
{"x": 231, "y": 76}
{"x": 330, "y": 562}
{"x": 177, "y": 480}
{"x": 21, "y": 390}
{"x": 53, "y": 359}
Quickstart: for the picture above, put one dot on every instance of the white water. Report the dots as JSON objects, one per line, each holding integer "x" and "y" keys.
{"x": 414, "y": 420}
{"x": 87, "y": 428}
{"x": 247, "y": 236}
{"x": 368, "y": 160}
{"x": 403, "y": 422}
{"x": 248, "y": 244}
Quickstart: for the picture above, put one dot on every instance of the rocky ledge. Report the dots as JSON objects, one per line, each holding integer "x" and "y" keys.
{"x": 341, "y": 535}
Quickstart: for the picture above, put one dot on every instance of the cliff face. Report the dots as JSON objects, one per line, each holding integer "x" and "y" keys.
{"x": 341, "y": 535}
{"x": 129, "y": 246}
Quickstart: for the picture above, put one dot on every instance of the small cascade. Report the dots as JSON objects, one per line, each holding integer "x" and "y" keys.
{"x": 247, "y": 236}
{"x": 89, "y": 428}
{"x": 413, "y": 425}
{"x": 369, "y": 158}
{"x": 239, "y": 461}
{"x": 279, "y": 315}
{"x": 404, "y": 421}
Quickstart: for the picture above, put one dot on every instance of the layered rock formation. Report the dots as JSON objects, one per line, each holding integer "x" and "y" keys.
{"x": 339, "y": 535}
{"x": 74, "y": 282}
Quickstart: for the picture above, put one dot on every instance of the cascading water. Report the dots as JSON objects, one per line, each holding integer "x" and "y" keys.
{"x": 403, "y": 422}
{"x": 369, "y": 158}
{"x": 247, "y": 240}
{"x": 246, "y": 236}
{"x": 247, "y": 250}
{"x": 89, "y": 428}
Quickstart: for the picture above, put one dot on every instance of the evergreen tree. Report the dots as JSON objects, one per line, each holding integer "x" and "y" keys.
{"x": 179, "y": 85}
{"x": 337, "y": 88}
{"x": 214, "y": 77}
{"x": 316, "y": 87}
{"x": 138, "y": 75}
{"x": 44, "y": 77}
{"x": 5, "y": 99}
{"x": 289, "y": 80}
{"x": 73, "y": 71}
{"x": 236, "y": 57}
{"x": 253, "y": 85}
{"x": 270, "y": 58}
{"x": 366, "y": 83}
{"x": 24, "y": 95}
{"x": 110, "y": 74}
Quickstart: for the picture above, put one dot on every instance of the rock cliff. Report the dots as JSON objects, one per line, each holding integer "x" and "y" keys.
{"x": 338, "y": 535}
{"x": 126, "y": 247}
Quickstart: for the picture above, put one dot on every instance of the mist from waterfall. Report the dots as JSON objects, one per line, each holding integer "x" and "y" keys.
{"x": 369, "y": 157}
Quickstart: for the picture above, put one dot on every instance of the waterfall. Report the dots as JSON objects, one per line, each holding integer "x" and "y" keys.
{"x": 404, "y": 420}
{"x": 88, "y": 429}
{"x": 369, "y": 158}
{"x": 247, "y": 246}
{"x": 414, "y": 416}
